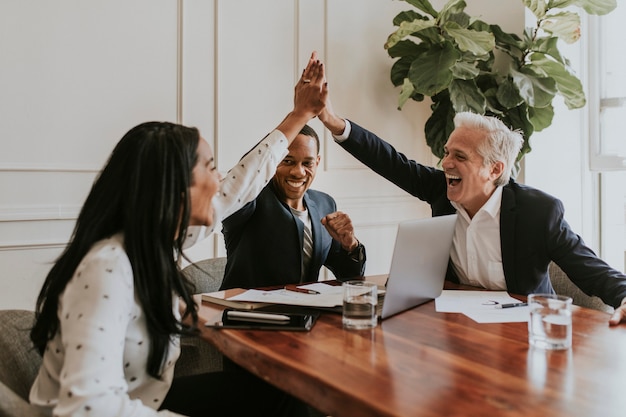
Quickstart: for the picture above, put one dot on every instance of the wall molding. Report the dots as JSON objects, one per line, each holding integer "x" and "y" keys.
{"x": 6, "y": 167}
{"x": 38, "y": 213}
{"x": 39, "y": 245}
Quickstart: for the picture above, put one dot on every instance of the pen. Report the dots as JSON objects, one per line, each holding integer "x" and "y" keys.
{"x": 511, "y": 305}
{"x": 243, "y": 315}
{"x": 295, "y": 288}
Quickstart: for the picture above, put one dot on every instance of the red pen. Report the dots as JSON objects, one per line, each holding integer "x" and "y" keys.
{"x": 295, "y": 288}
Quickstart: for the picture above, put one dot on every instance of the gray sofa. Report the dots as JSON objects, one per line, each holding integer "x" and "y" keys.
{"x": 19, "y": 363}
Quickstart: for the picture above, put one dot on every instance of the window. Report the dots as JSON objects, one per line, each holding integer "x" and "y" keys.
{"x": 607, "y": 107}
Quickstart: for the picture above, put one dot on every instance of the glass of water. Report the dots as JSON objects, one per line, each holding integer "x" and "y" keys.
{"x": 550, "y": 325}
{"x": 359, "y": 305}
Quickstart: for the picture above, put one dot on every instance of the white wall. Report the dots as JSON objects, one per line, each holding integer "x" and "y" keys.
{"x": 76, "y": 76}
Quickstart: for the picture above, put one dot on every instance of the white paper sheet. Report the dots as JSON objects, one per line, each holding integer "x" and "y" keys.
{"x": 329, "y": 296}
{"x": 482, "y": 306}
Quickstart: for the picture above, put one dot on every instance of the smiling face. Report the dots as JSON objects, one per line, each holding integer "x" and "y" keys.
{"x": 470, "y": 181}
{"x": 296, "y": 172}
{"x": 204, "y": 185}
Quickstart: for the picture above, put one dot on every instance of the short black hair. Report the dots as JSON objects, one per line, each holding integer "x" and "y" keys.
{"x": 310, "y": 132}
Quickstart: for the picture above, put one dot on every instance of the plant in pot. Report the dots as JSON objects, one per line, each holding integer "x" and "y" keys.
{"x": 449, "y": 56}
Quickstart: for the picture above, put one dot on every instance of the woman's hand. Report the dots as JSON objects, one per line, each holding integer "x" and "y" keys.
{"x": 311, "y": 90}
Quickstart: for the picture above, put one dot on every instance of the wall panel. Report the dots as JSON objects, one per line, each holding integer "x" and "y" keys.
{"x": 75, "y": 78}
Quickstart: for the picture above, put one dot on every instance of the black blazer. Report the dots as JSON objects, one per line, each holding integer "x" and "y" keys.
{"x": 264, "y": 243}
{"x": 533, "y": 230}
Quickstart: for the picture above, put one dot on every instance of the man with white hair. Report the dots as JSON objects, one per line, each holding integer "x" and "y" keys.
{"x": 506, "y": 233}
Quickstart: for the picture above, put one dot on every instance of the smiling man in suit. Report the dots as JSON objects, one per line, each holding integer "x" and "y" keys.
{"x": 506, "y": 233}
{"x": 289, "y": 231}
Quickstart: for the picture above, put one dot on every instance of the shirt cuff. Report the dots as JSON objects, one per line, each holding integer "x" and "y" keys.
{"x": 345, "y": 134}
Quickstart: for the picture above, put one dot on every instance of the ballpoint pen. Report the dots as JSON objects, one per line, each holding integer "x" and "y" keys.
{"x": 511, "y": 305}
{"x": 295, "y": 288}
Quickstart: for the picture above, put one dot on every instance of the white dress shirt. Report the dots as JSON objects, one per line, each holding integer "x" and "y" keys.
{"x": 476, "y": 252}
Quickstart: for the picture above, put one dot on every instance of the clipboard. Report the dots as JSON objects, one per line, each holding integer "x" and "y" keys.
{"x": 265, "y": 320}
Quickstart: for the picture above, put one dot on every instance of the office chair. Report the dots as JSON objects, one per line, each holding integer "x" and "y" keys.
{"x": 563, "y": 286}
{"x": 198, "y": 356}
{"x": 19, "y": 364}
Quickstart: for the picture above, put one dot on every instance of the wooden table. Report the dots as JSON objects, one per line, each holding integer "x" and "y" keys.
{"x": 424, "y": 363}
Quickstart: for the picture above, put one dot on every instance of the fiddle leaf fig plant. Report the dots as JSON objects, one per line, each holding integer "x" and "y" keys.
{"x": 449, "y": 56}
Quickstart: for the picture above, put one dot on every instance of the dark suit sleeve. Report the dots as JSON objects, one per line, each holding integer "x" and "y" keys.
{"x": 426, "y": 183}
{"x": 346, "y": 265}
{"x": 583, "y": 267}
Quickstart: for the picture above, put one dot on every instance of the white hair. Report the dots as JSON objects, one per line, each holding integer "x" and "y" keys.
{"x": 501, "y": 144}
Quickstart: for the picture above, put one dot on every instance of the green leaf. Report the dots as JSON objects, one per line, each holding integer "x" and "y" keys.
{"x": 479, "y": 43}
{"x": 405, "y": 48}
{"x": 465, "y": 70}
{"x": 405, "y": 94}
{"x": 508, "y": 41}
{"x": 407, "y": 16}
{"x": 431, "y": 72}
{"x": 517, "y": 119}
{"x": 425, "y": 6}
{"x": 597, "y": 7}
{"x": 465, "y": 96}
{"x": 567, "y": 84}
{"x": 541, "y": 118}
{"x": 537, "y": 7}
{"x": 462, "y": 19}
{"x": 451, "y": 8}
{"x": 430, "y": 35}
{"x": 508, "y": 95}
{"x": 489, "y": 86}
{"x": 406, "y": 29}
{"x": 536, "y": 91}
{"x": 548, "y": 46}
{"x": 565, "y": 25}
{"x": 400, "y": 70}
{"x": 440, "y": 123}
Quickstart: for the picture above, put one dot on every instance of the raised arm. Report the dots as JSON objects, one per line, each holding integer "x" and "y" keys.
{"x": 246, "y": 179}
{"x": 309, "y": 99}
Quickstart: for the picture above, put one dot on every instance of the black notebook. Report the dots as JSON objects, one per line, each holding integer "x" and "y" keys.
{"x": 265, "y": 320}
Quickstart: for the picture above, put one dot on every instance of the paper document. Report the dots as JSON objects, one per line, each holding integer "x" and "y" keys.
{"x": 482, "y": 306}
{"x": 329, "y": 296}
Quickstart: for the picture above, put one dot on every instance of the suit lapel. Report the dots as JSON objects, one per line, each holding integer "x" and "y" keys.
{"x": 507, "y": 237}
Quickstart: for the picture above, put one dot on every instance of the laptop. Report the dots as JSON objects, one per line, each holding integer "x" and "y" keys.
{"x": 418, "y": 264}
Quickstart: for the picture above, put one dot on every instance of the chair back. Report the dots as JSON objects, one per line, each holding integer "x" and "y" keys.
{"x": 563, "y": 286}
{"x": 207, "y": 274}
{"x": 198, "y": 356}
{"x": 19, "y": 363}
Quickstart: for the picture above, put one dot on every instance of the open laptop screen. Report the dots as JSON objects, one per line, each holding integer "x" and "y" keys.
{"x": 419, "y": 263}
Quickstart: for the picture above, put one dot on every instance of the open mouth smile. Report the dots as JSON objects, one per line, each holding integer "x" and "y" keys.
{"x": 453, "y": 179}
{"x": 296, "y": 184}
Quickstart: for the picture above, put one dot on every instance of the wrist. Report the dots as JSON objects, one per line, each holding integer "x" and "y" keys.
{"x": 357, "y": 254}
{"x": 353, "y": 247}
{"x": 336, "y": 125}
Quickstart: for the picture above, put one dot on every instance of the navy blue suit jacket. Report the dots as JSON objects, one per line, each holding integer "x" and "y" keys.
{"x": 264, "y": 243}
{"x": 533, "y": 230}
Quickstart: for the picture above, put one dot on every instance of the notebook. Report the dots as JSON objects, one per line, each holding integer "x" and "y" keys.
{"x": 418, "y": 264}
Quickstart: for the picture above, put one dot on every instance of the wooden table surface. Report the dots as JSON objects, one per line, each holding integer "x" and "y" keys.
{"x": 424, "y": 363}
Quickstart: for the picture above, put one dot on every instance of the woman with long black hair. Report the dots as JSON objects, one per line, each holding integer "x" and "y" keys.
{"x": 108, "y": 318}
